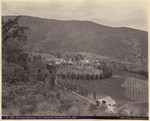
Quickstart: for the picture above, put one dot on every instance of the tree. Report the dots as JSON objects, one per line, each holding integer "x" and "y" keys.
{"x": 65, "y": 105}
{"x": 81, "y": 76}
{"x": 12, "y": 30}
{"x": 87, "y": 76}
{"x": 107, "y": 72}
{"x": 100, "y": 76}
{"x": 72, "y": 75}
{"x": 77, "y": 76}
{"x": 92, "y": 76}
{"x": 96, "y": 77}
{"x": 94, "y": 95}
{"x": 59, "y": 54}
{"x": 13, "y": 38}
{"x": 53, "y": 77}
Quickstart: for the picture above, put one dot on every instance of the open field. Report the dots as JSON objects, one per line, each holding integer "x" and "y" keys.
{"x": 112, "y": 86}
{"x": 105, "y": 87}
{"x": 124, "y": 74}
{"x": 79, "y": 70}
{"x": 92, "y": 56}
{"x": 136, "y": 89}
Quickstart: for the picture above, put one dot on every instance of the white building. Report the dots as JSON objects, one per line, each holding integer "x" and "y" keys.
{"x": 59, "y": 61}
{"x": 70, "y": 62}
{"x": 108, "y": 101}
{"x": 84, "y": 61}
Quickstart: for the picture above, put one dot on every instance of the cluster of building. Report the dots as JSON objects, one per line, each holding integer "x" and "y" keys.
{"x": 111, "y": 107}
{"x": 61, "y": 61}
{"x": 108, "y": 103}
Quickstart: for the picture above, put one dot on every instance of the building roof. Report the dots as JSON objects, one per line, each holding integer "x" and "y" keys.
{"x": 109, "y": 100}
{"x": 59, "y": 59}
{"x": 85, "y": 61}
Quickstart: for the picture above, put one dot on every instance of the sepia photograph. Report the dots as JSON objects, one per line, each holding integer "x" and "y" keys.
{"x": 74, "y": 59}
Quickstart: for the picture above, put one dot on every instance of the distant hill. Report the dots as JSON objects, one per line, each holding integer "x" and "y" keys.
{"x": 85, "y": 36}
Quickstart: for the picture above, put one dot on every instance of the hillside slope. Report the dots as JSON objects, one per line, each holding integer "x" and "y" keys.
{"x": 85, "y": 36}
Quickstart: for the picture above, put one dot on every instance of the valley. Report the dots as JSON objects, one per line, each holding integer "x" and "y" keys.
{"x": 75, "y": 68}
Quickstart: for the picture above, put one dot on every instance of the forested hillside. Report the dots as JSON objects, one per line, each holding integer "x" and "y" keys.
{"x": 85, "y": 36}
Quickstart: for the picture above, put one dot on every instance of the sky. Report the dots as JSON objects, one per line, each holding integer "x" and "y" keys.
{"x": 114, "y": 13}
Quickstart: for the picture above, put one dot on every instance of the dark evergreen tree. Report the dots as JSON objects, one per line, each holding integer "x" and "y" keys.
{"x": 94, "y": 95}
{"x": 53, "y": 77}
{"x": 96, "y": 77}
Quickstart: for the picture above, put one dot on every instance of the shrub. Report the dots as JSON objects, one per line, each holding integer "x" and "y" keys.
{"x": 5, "y": 99}
{"x": 30, "y": 99}
{"x": 87, "y": 76}
{"x": 78, "y": 77}
{"x": 28, "y": 109}
{"x": 43, "y": 106}
{"x": 92, "y": 77}
{"x": 81, "y": 77}
{"x": 63, "y": 76}
{"x": 66, "y": 104}
{"x": 75, "y": 88}
{"x": 22, "y": 100}
{"x": 50, "y": 94}
{"x": 39, "y": 87}
{"x": 40, "y": 98}
{"x": 100, "y": 76}
{"x": 92, "y": 107}
{"x": 58, "y": 95}
{"x": 96, "y": 77}
{"x": 16, "y": 102}
{"x": 72, "y": 76}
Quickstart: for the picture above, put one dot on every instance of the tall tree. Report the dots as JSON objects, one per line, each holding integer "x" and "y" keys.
{"x": 13, "y": 37}
{"x": 12, "y": 30}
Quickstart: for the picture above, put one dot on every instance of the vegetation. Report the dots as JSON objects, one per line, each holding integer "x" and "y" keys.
{"x": 13, "y": 37}
{"x": 29, "y": 85}
{"x": 137, "y": 68}
{"x": 106, "y": 73}
{"x": 141, "y": 72}
{"x": 136, "y": 89}
{"x": 73, "y": 87}
{"x": 26, "y": 80}
{"x": 74, "y": 57}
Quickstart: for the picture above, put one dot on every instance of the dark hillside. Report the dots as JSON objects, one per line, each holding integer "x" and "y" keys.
{"x": 85, "y": 36}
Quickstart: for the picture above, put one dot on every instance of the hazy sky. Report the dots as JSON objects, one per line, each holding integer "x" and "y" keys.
{"x": 116, "y": 13}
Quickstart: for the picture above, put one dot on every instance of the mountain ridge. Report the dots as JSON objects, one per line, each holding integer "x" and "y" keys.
{"x": 73, "y": 36}
{"x": 73, "y": 20}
